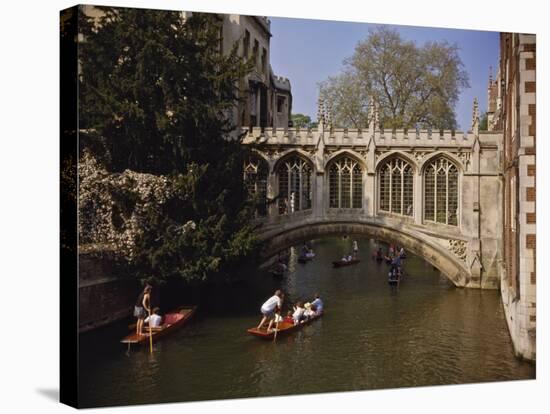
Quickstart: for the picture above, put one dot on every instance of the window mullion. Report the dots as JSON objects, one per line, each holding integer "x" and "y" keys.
{"x": 391, "y": 190}
{"x": 436, "y": 172}
{"x": 447, "y": 197}
{"x": 402, "y": 189}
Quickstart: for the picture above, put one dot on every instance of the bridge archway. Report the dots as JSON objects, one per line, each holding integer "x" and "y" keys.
{"x": 435, "y": 254}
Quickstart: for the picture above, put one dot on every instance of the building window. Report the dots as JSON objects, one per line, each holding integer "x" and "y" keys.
{"x": 441, "y": 192}
{"x": 264, "y": 61}
{"x": 280, "y": 104}
{"x": 294, "y": 175}
{"x": 396, "y": 187}
{"x": 345, "y": 184}
{"x": 255, "y": 179}
{"x": 246, "y": 44}
{"x": 255, "y": 52}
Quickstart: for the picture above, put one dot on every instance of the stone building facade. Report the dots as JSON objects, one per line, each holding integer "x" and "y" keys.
{"x": 266, "y": 97}
{"x": 515, "y": 116}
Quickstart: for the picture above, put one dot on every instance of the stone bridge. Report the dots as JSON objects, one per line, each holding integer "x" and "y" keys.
{"x": 437, "y": 193}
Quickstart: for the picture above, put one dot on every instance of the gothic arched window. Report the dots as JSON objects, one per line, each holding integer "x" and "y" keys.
{"x": 441, "y": 192}
{"x": 294, "y": 174}
{"x": 396, "y": 187}
{"x": 345, "y": 184}
{"x": 255, "y": 180}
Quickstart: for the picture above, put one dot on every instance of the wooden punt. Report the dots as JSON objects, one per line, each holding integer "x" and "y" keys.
{"x": 395, "y": 280}
{"x": 341, "y": 263}
{"x": 304, "y": 258}
{"x": 171, "y": 322}
{"x": 277, "y": 272}
{"x": 284, "y": 328}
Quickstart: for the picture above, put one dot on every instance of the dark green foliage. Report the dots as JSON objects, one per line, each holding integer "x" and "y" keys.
{"x": 301, "y": 120}
{"x": 155, "y": 96}
{"x": 156, "y": 87}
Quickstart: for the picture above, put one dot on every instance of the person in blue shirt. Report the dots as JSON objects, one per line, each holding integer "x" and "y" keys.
{"x": 318, "y": 304}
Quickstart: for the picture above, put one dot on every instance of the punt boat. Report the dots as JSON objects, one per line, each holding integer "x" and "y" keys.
{"x": 341, "y": 263}
{"x": 283, "y": 329}
{"x": 171, "y": 322}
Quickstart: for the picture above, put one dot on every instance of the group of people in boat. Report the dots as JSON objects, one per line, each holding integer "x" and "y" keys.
{"x": 307, "y": 251}
{"x": 351, "y": 256}
{"x": 347, "y": 258}
{"x": 394, "y": 252}
{"x": 301, "y": 312}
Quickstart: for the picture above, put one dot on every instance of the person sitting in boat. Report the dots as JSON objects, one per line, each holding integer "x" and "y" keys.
{"x": 349, "y": 258}
{"x": 288, "y": 318}
{"x": 298, "y": 315}
{"x": 268, "y": 308}
{"x": 344, "y": 259}
{"x": 308, "y": 312}
{"x": 277, "y": 318}
{"x": 318, "y": 303}
{"x": 155, "y": 319}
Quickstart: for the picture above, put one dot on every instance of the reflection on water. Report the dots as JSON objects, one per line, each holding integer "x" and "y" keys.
{"x": 425, "y": 332}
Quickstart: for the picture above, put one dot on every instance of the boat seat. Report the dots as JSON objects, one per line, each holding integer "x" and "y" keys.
{"x": 172, "y": 318}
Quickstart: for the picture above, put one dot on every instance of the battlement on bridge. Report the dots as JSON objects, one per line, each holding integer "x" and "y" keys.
{"x": 357, "y": 137}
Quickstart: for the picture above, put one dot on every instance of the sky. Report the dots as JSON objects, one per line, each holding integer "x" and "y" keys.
{"x": 309, "y": 51}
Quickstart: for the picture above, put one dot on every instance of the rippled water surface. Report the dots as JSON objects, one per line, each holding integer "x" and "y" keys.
{"x": 426, "y": 332}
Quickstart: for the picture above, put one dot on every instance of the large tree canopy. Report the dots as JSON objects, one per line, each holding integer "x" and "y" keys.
{"x": 156, "y": 86}
{"x": 168, "y": 190}
{"x": 413, "y": 85}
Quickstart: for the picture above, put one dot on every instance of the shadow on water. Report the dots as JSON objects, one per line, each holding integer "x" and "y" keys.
{"x": 423, "y": 332}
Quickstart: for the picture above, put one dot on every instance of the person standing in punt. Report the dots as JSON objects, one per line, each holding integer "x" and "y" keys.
{"x": 142, "y": 308}
{"x": 269, "y": 306}
{"x": 355, "y": 248}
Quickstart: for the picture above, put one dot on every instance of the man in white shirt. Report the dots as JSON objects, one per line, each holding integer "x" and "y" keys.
{"x": 155, "y": 319}
{"x": 269, "y": 306}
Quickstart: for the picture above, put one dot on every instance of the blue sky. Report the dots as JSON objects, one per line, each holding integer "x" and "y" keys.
{"x": 309, "y": 51}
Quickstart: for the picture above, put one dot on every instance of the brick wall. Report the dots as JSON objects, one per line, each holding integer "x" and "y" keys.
{"x": 518, "y": 121}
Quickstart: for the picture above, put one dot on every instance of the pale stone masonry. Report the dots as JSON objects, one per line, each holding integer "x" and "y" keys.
{"x": 468, "y": 253}
{"x": 517, "y": 120}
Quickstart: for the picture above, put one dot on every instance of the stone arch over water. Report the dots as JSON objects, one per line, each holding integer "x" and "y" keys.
{"x": 439, "y": 257}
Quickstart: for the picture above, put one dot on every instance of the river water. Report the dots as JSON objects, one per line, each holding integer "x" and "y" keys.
{"x": 425, "y": 332}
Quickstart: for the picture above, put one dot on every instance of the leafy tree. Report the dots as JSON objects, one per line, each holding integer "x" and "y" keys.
{"x": 413, "y": 85}
{"x": 301, "y": 120}
{"x": 348, "y": 98}
{"x": 155, "y": 97}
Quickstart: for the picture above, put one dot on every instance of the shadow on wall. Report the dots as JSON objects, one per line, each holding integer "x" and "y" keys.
{"x": 49, "y": 393}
